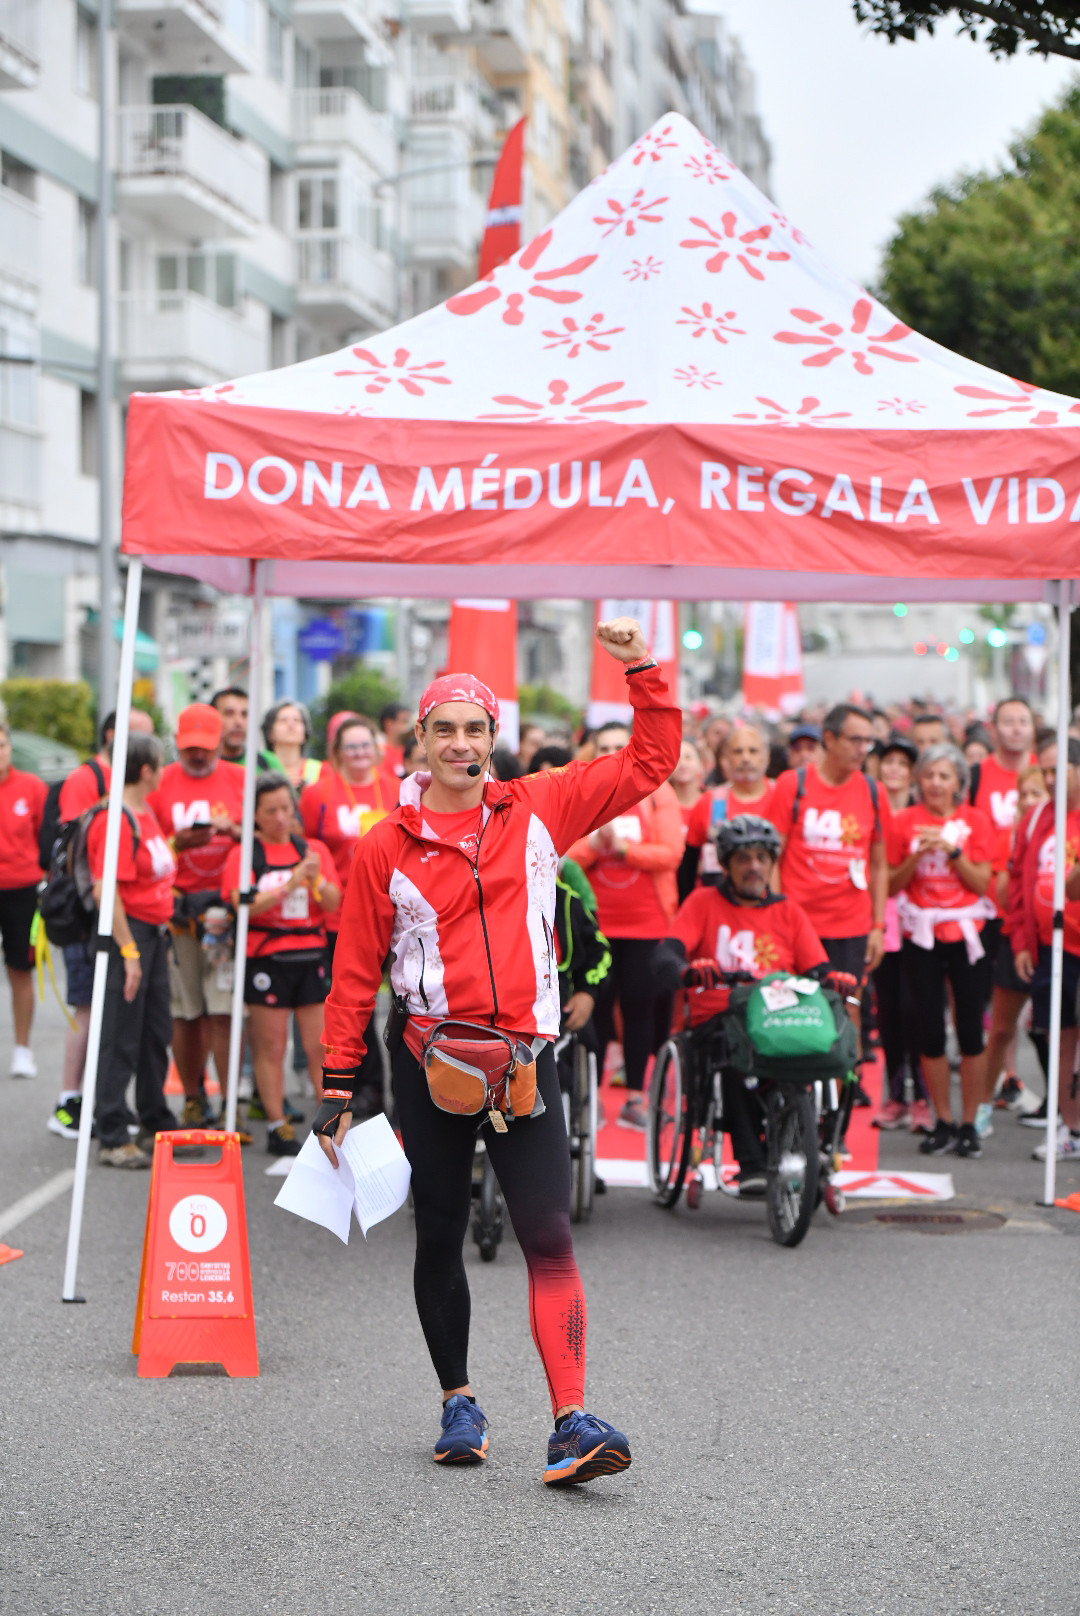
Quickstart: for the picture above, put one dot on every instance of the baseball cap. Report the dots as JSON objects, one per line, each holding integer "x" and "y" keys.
{"x": 804, "y": 732}
{"x": 198, "y": 725}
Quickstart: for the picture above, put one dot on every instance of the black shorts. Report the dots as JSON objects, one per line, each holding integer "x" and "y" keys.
{"x": 1040, "y": 989}
{"x": 847, "y": 954}
{"x": 17, "y": 908}
{"x": 1003, "y": 970}
{"x": 284, "y": 981}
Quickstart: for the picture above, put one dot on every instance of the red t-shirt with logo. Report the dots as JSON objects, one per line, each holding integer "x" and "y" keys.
{"x": 1043, "y": 895}
{"x": 182, "y": 800}
{"x": 296, "y": 908}
{"x": 826, "y": 859}
{"x": 997, "y": 797}
{"x": 934, "y": 883}
{"x": 22, "y": 802}
{"x": 80, "y": 791}
{"x": 144, "y": 876}
{"x": 338, "y": 813}
{"x": 760, "y": 938}
{"x": 627, "y": 904}
{"x": 714, "y": 806}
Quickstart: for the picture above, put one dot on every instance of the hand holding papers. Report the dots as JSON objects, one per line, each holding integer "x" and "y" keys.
{"x": 371, "y": 1179}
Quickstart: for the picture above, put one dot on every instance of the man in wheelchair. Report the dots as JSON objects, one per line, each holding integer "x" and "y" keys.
{"x": 740, "y": 925}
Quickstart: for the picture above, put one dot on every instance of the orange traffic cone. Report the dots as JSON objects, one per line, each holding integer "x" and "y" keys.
{"x": 8, "y": 1254}
{"x": 1071, "y": 1203}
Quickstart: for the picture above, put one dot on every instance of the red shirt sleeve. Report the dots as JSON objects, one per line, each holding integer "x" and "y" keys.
{"x": 697, "y": 829}
{"x": 982, "y": 844}
{"x": 896, "y": 845}
{"x": 780, "y": 804}
{"x": 78, "y": 793}
{"x": 95, "y": 848}
{"x": 689, "y": 925}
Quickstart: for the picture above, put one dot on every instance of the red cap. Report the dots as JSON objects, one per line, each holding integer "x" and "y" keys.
{"x": 198, "y": 725}
{"x": 458, "y": 687}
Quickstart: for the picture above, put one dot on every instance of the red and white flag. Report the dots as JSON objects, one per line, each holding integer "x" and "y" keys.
{"x": 502, "y": 227}
{"x": 772, "y": 679}
{"x": 659, "y": 624}
{"x": 483, "y": 641}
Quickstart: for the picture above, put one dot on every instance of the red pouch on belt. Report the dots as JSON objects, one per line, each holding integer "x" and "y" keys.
{"x": 470, "y": 1069}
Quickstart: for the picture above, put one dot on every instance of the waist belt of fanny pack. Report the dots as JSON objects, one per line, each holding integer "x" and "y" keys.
{"x": 470, "y": 1069}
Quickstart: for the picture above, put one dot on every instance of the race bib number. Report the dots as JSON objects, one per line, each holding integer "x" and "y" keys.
{"x": 294, "y": 905}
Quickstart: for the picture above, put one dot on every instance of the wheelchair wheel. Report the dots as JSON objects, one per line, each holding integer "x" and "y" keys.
{"x": 667, "y": 1135}
{"x": 792, "y": 1164}
{"x": 488, "y": 1221}
{"x": 582, "y": 1133}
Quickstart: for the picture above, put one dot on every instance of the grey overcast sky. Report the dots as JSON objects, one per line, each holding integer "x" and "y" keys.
{"x": 861, "y": 130}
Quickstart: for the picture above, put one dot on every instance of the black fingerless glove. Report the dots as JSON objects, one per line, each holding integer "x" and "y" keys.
{"x": 338, "y": 1091}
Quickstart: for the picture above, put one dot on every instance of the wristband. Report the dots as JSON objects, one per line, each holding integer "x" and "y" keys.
{"x": 130, "y": 952}
{"x": 877, "y": 925}
{"x": 640, "y": 667}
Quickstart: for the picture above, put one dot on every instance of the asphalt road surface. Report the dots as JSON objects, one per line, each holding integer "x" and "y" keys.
{"x": 880, "y": 1421}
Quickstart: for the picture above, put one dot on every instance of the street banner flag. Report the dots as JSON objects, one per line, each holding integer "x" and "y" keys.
{"x": 483, "y": 641}
{"x": 195, "y": 1302}
{"x": 772, "y": 680}
{"x": 502, "y": 228}
{"x": 659, "y": 623}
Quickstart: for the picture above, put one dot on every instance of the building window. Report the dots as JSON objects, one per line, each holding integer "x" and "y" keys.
{"x": 279, "y": 195}
{"x": 317, "y": 204}
{"x": 17, "y": 176}
{"x": 18, "y": 382}
{"x": 86, "y": 244}
{"x": 88, "y": 434}
{"x": 275, "y": 47}
{"x": 305, "y": 66}
{"x": 86, "y": 54}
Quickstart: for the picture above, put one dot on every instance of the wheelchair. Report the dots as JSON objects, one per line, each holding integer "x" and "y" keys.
{"x": 803, "y": 1123}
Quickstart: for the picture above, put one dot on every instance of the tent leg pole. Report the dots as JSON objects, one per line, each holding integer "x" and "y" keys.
{"x": 247, "y": 839}
{"x": 105, "y": 924}
{"x": 1054, "y": 1073}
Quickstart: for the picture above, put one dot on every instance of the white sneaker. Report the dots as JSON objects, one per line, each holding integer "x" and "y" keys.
{"x": 23, "y": 1063}
{"x": 1068, "y": 1147}
{"x": 984, "y": 1127}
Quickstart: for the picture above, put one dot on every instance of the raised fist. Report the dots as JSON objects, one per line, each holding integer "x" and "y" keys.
{"x": 622, "y": 638}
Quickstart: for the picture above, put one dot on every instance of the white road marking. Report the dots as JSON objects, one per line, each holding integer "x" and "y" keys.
{"x": 27, "y": 1205}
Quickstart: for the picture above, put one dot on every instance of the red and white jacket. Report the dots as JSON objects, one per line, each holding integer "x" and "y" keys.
{"x": 476, "y": 942}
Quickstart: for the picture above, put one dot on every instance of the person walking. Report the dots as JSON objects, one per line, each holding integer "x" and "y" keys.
{"x": 136, "y": 1023}
{"x": 630, "y": 863}
{"x": 458, "y": 884}
{"x": 22, "y": 803}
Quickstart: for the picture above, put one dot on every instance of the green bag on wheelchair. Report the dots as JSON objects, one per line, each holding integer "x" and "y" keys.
{"x": 788, "y": 1027}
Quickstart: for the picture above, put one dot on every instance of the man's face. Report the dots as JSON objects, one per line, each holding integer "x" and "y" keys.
{"x": 234, "y": 720}
{"x": 750, "y": 869}
{"x": 929, "y": 732}
{"x": 456, "y": 734}
{"x": 802, "y": 752}
{"x": 848, "y": 749}
{"x": 745, "y": 757}
{"x": 1014, "y": 727}
{"x": 610, "y": 741}
{"x": 197, "y": 761}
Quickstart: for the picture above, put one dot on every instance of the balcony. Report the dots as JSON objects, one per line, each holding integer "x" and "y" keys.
{"x": 451, "y": 98}
{"x": 502, "y": 29}
{"x": 344, "y": 279}
{"x": 19, "y": 57}
{"x": 20, "y": 480}
{"x": 446, "y": 231}
{"x": 341, "y": 116}
{"x": 437, "y": 16}
{"x": 179, "y": 339}
{"x": 193, "y": 36}
{"x": 187, "y": 176}
{"x": 344, "y": 19}
{"x": 20, "y": 238}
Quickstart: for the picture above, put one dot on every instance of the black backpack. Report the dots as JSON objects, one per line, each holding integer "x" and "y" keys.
{"x": 259, "y": 866}
{"x": 67, "y": 907}
{"x": 51, "y": 823}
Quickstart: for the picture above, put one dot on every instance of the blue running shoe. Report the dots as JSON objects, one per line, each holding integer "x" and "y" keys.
{"x": 464, "y": 1428}
{"x": 584, "y": 1448}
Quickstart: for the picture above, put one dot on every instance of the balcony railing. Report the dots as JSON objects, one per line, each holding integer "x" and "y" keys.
{"x": 20, "y": 467}
{"x": 180, "y": 144}
{"x": 341, "y": 115}
{"x": 20, "y": 237}
{"x": 447, "y": 229}
{"x": 345, "y": 268}
{"x": 19, "y": 53}
{"x": 180, "y": 336}
{"x": 504, "y": 27}
{"x": 194, "y": 36}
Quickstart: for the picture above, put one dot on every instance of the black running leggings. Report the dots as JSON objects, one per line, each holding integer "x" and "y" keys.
{"x": 646, "y": 1010}
{"x": 532, "y": 1163}
{"x": 896, "y": 1024}
{"x": 926, "y": 971}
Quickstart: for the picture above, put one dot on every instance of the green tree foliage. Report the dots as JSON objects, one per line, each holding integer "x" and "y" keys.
{"x": 990, "y": 268}
{"x": 59, "y": 710}
{"x": 362, "y": 691}
{"x": 541, "y": 700}
{"x": 1003, "y": 27}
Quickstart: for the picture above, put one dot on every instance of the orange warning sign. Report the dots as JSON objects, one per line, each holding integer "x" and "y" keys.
{"x": 195, "y": 1301}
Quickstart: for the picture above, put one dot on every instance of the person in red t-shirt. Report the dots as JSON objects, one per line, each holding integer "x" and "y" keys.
{"x": 940, "y": 853}
{"x": 744, "y": 757}
{"x": 296, "y": 885}
{"x": 631, "y": 865}
{"x": 136, "y": 1024}
{"x": 200, "y": 803}
{"x": 22, "y": 803}
{"x": 686, "y": 780}
{"x": 739, "y": 924}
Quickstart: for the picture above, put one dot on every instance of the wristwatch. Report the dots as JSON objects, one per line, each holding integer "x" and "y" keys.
{"x": 954, "y": 853}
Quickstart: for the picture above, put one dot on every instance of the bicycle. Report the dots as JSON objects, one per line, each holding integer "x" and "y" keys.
{"x": 487, "y": 1223}
{"x": 803, "y": 1123}
{"x": 576, "y": 1066}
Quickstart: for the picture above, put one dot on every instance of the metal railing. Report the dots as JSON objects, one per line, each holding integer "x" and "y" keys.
{"x": 345, "y": 264}
{"x": 178, "y": 140}
{"x": 182, "y": 332}
{"x": 341, "y": 114}
{"x": 451, "y": 226}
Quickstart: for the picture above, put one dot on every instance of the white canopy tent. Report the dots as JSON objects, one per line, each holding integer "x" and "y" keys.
{"x": 669, "y": 393}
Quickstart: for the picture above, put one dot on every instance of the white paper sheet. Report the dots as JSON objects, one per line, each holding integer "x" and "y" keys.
{"x": 371, "y": 1179}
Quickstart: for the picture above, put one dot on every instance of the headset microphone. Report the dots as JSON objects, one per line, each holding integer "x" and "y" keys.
{"x": 473, "y": 770}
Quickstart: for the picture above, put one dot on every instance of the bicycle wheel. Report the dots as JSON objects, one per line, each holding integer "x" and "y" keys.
{"x": 792, "y": 1164}
{"x": 488, "y": 1222}
{"x": 582, "y": 1133}
{"x": 667, "y": 1136}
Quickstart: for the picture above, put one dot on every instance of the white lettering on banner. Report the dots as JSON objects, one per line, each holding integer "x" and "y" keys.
{"x": 842, "y": 497}
{"x": 1035, "y": 486}
{"x": 1014, "y": 499}
{"x": 982, "y": 509}
{"x": 271, "y": 463}
{"x": 425, "y": 484}
{"x": 715, "y": 477}
{"x": 797, "y": 504}
{"x": 484, "y": 483}
{"x": 236, "y": 477}
{"x": 876, "y": 512}
{"x": 750, "y": 485}
{"x": 554, "y": 495}
{"x": 917, "y": 502}
{"x": 735, "y": 950}
{"x": 636, "y": 485}
{"x": 184, "y": 815}
{"x": 596, "y": 498}
{"x": 512, "y": 500}
{"x": 368, "y": 487}
{"x": 329, "y": 487}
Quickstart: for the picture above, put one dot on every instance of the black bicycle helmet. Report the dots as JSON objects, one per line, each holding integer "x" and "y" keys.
{"x": 746, "y": 830}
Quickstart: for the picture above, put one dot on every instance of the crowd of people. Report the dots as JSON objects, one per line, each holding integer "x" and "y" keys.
{"x": 914, "y": 847}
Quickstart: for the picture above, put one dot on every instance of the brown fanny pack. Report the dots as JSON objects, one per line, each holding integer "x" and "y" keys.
{"x": 471, "y": 1069}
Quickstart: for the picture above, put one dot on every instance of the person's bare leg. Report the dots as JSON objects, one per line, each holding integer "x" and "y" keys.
{"x": 1005, "y": 1008}
{"x": 972, "y": 1083}
{"x": 220, "y": 1030}
{"x": 309, "y": 1020}
{"x": 936, "y": 1075}
{"x": 269, "y": 1032}
{"x": 189, "y": 1043}
{"x": 1068, "y": 1087}
{"x": 75, "y": 1042}
{"x": 22, "y": 1003}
